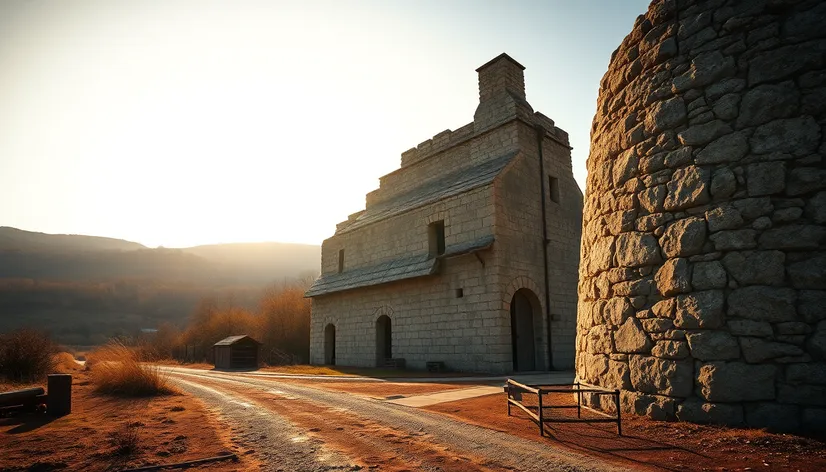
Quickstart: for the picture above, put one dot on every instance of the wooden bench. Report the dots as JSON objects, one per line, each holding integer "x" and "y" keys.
{"x": 57, "y": 402}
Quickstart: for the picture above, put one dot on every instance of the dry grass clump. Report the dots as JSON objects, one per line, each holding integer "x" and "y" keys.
{"x": 117, "y": 370}
{"x": 126, "y": 440}
{"x": 26, "y": 355}
{"x": 65, "y": 363}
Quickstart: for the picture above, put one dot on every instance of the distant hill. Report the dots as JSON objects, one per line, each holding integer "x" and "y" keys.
{"x": 18, "y": 239}
{"x": 27, "y": 254}
{"x": 85, "y": 289}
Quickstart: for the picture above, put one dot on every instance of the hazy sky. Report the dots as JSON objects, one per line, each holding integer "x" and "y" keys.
{"x": 179, "y": 123}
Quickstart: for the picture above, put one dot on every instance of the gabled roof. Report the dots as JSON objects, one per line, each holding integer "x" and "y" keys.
{"x": 450, "y": 185}
{"x": 229, "y": 341}
{"x": 390, "y": 271}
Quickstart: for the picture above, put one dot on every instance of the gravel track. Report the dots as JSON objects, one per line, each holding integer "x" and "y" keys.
{"x": 277, "y": 444}
{"x": 500, "y": 450}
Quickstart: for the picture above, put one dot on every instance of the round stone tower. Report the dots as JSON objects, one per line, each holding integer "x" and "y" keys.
{"x": 702, "y": 287}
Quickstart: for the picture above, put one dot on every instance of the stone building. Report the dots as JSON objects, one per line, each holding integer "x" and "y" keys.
{"x": 702, "y": 290}
{"x": 467, "y": 254}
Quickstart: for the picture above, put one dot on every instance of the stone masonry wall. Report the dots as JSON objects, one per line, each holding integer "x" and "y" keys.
{"x": 461, "y": 314}
{"x": 702, "y": 290}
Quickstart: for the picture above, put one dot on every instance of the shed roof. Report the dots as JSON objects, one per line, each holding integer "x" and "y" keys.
{"x": 229, "y": 341}
{"x": 458, "y": 182}
{"x": 393, "y": 270}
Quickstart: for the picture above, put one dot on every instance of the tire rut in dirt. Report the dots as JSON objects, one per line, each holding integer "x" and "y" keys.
{"x": 376, "y": 445}
{"x": 275, "y": 442}
{"x": 500, "y": 449}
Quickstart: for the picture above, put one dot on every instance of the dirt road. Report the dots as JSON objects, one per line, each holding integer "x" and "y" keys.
{"x": 297, "y": 427}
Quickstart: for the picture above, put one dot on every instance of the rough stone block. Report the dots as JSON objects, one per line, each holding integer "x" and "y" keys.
{"x": 750, "y": 328}
{"x": 669, "y": 349}
{"x": 706, "y": 68}
{"x": 708, "y": 275}
{"x": 736, "y": 382}
{"x": 630, "y": 338}
{"x": 700, "y": 134}
{"x": 666, "y": 114}
{"x": 684, "y": 237}
{"x": 725, "y": 216}
{"x": 617, "y": 310}
{"x": 757, "y": 350}
{"x": 810, "y": 306}
{"x": 697, "y": 411}
{"x": 768, "y": 102}
{"x": 756, "y": 267}
{"x": 733, "y": 240}
{"x": 797, "y": 136}
{"x": 599, "y": 340}
{"x": 729, "y": 148}
{"x": 673, "y": 277}
{"x": 765, "y": 178}
{"x": 723, "y": 183}
{"x": 661, "y": 376}
{"x": 761, "y": 303}
{"x": 773, "y": 416}
{"x": 810, "y": 395}
{"x": 688, "y": 187}
{"x": 700, "y": 310}
{"x": 635, "y": 249}
{"x": 794, "y": 237}
{"x": 713, "y": 346}
{"x": 804, "y": 180}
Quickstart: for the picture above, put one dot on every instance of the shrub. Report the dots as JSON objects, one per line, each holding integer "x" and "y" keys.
{"x": 126, "y": 439}
{"x": 117, "y": 370}
{"x": 26, "y": 355}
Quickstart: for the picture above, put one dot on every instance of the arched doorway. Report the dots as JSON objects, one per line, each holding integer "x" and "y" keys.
{"x": 524, "y": 320}
{"x": 330, "y": 344}
{"x": 384, "y": 340}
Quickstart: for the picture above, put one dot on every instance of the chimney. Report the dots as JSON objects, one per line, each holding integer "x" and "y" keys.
{"x": 501, "y": 93}
{"x": 500, "y": 74}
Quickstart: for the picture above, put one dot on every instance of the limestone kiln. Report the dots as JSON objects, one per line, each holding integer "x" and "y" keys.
{"x": 701, "y": 291}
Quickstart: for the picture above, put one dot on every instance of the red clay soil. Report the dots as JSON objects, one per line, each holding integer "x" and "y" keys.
{"x": 85, "y": 439}
{"x": 366, "y": 442}
{"x": 380, "y": 390}
{"x": 652, "y": 445}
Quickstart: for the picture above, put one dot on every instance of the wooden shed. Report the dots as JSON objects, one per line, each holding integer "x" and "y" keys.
{"x": 236, "y": 352}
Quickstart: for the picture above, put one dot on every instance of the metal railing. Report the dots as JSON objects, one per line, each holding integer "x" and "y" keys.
{"x": 529, "y": 399}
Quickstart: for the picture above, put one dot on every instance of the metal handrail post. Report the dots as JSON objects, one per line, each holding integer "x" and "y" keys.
{"x": 578, "y": 401}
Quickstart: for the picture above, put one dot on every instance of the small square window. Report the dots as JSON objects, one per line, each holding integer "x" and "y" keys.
{"x": 460, "y": 292}
{"x": 436, "y": 238}
{"x": 553, "y": 188}
{"x": 340, "y": 261}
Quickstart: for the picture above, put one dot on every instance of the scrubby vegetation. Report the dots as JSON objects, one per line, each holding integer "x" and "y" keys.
{"x": 117, "y": 370}
{"x": 26, "y": 355}
{"x": 280, "y": 321}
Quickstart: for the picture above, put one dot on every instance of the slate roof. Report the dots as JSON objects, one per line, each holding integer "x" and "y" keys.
{"x": 391, "y": 271}
{"x": 229, "y": 341}
{"x": 452, "y": 184}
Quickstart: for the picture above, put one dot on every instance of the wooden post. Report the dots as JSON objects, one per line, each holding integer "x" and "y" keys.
{"x": 59, "y": 394}
{"x": 578, "y": 400}
{"x": 509, "y": 396}
{"x": 541, "y": 417}
{"x": 619, "y": 414}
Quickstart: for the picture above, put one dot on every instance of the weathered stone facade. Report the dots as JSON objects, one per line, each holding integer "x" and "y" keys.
{"x": 702, "y": 290}
{"x": 449, "y": 249}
